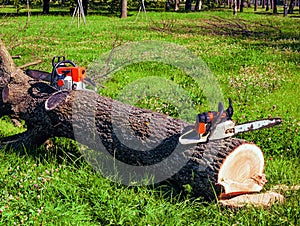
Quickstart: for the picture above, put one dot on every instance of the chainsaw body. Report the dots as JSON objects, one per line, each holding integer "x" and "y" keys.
{"x": 206, "y": 124}
{"x": 66, "y": 75}
{"x": 204, "y": 121}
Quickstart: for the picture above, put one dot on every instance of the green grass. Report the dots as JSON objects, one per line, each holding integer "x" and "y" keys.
{"x": 255, "y": 58}
{"x": 39, "y": 191}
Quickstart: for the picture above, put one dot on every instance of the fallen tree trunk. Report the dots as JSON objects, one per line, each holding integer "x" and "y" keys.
{"x": 126, "y": 142}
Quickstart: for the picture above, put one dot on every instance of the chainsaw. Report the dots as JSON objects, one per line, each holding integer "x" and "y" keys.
{"x": 214, "y": 125}
{"x": 65, "y": 75}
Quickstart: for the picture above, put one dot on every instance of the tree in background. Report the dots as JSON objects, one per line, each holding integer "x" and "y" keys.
{"x": 119, "y": 7}
{"x": 267, "y": 5}
{"x": 176, "y": 6}
{"x": 85, "y": 4}
{"x": 198, "y": 5}
{"x": 235, "y": 8}
{"x": 291, "y": 6}
{"x": 188, "y": 5}
{"x": 46, "y": 6}
{"x": 255, "y": 5}
{"x": 274, "y": 6}
{"x": 123, "y": 8}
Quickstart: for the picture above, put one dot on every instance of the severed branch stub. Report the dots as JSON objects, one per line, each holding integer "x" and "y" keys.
{"x": 30, "y": 64}
{"x": 217, "y": 169}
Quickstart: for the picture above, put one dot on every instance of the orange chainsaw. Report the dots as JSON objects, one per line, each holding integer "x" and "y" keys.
{"x": 65, "y": 75}
{"x": 214, "y": 125}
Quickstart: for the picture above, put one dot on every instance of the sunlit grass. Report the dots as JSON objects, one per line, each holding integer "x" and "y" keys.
{"x": 259, "y": 71}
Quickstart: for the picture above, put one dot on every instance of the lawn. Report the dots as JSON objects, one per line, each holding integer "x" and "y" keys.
{"x": 254, "y": 57}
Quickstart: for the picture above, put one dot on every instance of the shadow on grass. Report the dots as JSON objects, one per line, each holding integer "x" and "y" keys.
{"x": 265, "y": 34}
{"x": 64, "y": 151}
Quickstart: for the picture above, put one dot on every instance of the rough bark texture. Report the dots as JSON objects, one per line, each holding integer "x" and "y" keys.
{"x": 274, "y": 6}
{"x": 85, "y": 5}
{"x": 291, "y": 7}
{"x": 201, "y": 172}
{"x": 46, "y": 6}
{"x": 123, "y": 8}
{"x": 235, "y": 7}
{"x": 86, "y": 117}
{"x": 176, "y": 5}
{"x": 188, "y": 5}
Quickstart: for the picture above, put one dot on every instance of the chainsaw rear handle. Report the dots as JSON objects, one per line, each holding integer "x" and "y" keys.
{"x": 59, "y": 59}
{"x": 57, "y": 65}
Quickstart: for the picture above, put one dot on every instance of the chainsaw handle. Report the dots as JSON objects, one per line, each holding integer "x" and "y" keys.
{"x": 57, "y": 65}
{"x": 64, "y": 62}
{"x": 58, "y": 60}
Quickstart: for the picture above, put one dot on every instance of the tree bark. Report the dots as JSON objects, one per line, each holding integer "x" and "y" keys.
{"x": 274, "y": 6}
{"x": 188, "y": 5}
{"x": 229, "y": 3}
{"x": 133, "y": 136}
{"x": 85, "y": 5}
{"x": 291, "y": 7}
{"x": 241, "y": 6}
{"x": 198, "y": 5}
{"x": 267, "y": 5}
{"x": 123, "y": 8}
{"x": 46, "y": 6}
{"x": 235, "y": 8}
{"x": 255, "y": 5}
{"x": 176, "y": 5}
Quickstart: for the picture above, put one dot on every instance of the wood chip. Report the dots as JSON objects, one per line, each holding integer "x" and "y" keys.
{"x": 257, "y": 200}
{"x": 282, "y": 187}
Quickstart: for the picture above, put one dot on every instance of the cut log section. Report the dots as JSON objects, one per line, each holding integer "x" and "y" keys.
{"x": 224, "y": 168}
{"x": 242, "y": 171}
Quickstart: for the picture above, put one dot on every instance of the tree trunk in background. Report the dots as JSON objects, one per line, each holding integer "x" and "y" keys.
{"x": 248, "y": 3}
{"x": 176, "y": 6}
{"x": 123, "y": 8}
{"x": 85, "y": 5}
{"x": 241, "y": 5}
{"x": 235, "y": 7}
{"x": 274, "y": 6}
{"x": 198, "y": 5}
{"x": 263, "y": 4}
{"x": 188, "y": 5}
{"x": 255, "y": 5}
{"x": 267, "y": 5}
{"x": 229, "y": 2}
{"x": 46, "y": 6}
{"x": 291, "y": 7}
{"x": 214, "y": 169}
